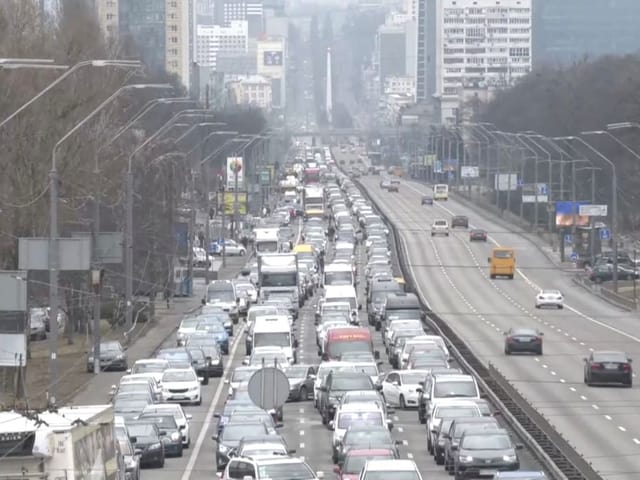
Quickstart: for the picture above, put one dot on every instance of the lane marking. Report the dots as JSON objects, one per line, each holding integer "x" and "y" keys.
{"x": 302, "y": 433}
{"x": 195, "y": 453}
{"x": 301, "y": 445}
{"x": 595, "y": 407}
{"x": 621, "y": 428}
{"x": 608, "y": 417}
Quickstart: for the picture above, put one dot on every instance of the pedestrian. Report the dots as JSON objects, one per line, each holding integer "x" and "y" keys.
{"x": 321, "y": 261}
{"x": 167, "y": 295}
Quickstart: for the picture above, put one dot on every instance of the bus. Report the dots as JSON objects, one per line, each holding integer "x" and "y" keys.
{"x": 441, "y": 192}
{"x": 502, "y": 262}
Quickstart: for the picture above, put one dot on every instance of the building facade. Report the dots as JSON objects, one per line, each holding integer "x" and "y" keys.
{"x": 226, "y": 11}
{"x": 271, "y": 63}
{"x": 212, "y": 40}
{"x": 108, "y": 16}
{"x": 476, "y": 44}
{"x": 253, "y": 90}
{"x": 391, "y": 52}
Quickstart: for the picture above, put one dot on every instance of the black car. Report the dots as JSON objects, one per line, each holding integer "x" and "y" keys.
{"x": 485, "y": 452}
{"x": 460, "y": 221}
{"x": 230, "y": 437}
{"x": 200, "y": 363}
{"x": 147, "y": 441}
{"x": 113, "y": 356}
{"x": 608, "y": 367}
{"x": 301, "y": 379}
{"x": 478, "y": 235}
{"x": 213, "y": 355}
{"x": 427, "y": 200}
{"x": 456, "y": 428}
{"x": 334, "y": 386}
{"x": 169, "y": 431}
{"x": 523, "y": 340}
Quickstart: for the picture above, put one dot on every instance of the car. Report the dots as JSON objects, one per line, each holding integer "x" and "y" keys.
{"x": 182, "y": 419}
{"x": 231, "y": 436}
{"x": 147, "y": 441}
{"x": 460, "y": 221}
{"x": 603, "y": 367}
{"x": 37, "y": 324}
{"x": 259, "y": 445}
{"x": 181, "y": 385}
{"x": 427, "y": 200}
{"x": 228, "y": 247}
{"x": 131, "y": 460}
{"x": 169, "y": 430}
{"x": 550, "y": 298}
{"x": 440, "y": 227}
{"x": 385, "y": 184}
{"x": 478, "y": 235}
{"x": 400, "y": 387}
{"x": 394, "y": 186}
{"x": 356, "y": 459}
{"x": 301, "y": 379}
{"x": 483, "y": 453}
{"x": 523, "y": 340}
{"x": 366, "y": 436}
{"x": 398, "y": 468}
{"x": 113, "y": 356}
{"x": 270, "y": 467}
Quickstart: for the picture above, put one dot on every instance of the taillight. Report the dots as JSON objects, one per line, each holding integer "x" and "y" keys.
{"x": 510, "y": 340}
{"x": 626, "y": 368}
{"x": 596, "y": 366}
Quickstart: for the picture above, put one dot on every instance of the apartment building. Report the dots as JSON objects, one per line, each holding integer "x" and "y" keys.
{"x": 226, "y": 11}
{"x": 254, "y": 90}
{"x": 213, "y": 40}
{"x": 470, "y": 44}
{"x": 108, "y": 17}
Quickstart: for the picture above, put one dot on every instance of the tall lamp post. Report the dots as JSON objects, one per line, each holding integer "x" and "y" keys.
{"x": 53, "y": 235}
{"x": 614, "y": 201}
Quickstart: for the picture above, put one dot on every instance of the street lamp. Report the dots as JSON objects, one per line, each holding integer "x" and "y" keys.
{"x": 53, "y": 227}
{"x": 30, "y": 63}
{"x": 53, "y": 233}
{"x": 614, "y": 202}
{"x": 70, "y": 71}
{"x": 615, "y": 139}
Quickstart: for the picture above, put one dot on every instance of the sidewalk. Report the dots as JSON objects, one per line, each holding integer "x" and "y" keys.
{"x": 81, "y": 388}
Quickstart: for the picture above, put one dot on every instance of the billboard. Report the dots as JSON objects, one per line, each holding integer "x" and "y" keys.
{"x": 566, "y": 211}
{"x": 535, "y": 193}
{"x": 506, "y": 181}
{"x": 227, "y": 201}
{"x": 235, "y": 168}
{"x": 468, "y": 171}
{"x": 272, "y": 58}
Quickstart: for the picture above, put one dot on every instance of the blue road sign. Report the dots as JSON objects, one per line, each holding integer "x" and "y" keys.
{"x": 568, "y": 238}
{"x": 574, "y": 257}
{"x": 521, "y": 183}
{"x": 605, "y": 234}
{"x": 543, "y": 189}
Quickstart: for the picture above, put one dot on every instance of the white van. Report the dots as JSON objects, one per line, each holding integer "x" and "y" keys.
{"x": 274, "y": 331}
{"x": 338, "y": 274}
{"x": 441, "y": 191}
{"x": 343, "y": 293}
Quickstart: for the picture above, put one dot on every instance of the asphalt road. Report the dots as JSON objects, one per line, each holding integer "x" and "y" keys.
{"x": 602, "y": 423}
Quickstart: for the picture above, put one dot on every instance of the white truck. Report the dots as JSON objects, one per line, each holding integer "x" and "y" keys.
{"x": 314, "y": 205}
{"x": 69, "y": 443}
{"x": 266, "y": 240}
{"x": 278, "y": 273}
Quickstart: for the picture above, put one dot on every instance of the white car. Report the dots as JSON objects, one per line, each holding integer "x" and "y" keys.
{"x": 181, "y": 385}
{"x": 400, "y": 387}
{"x": 440, "y": 227}
{"x": 240, "y": 375}
{"x": 360, "y": 414}
{"x": 248, "y": 289}
{"x": 182, "y": 419}
{"x": 232, "y": 248}
{"x": 154, "y": 366}
{"x": 187, "y": 327}
{"x": 549, "y": 298}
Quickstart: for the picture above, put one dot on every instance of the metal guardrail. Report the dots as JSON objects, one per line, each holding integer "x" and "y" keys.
{"x": 559, "y": 458}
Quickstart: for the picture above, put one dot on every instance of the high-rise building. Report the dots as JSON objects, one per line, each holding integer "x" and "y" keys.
{"x": 271, "y": 63}
{"x": 163, "y": 33}
{"x": 215, "y": 39}
{"x": 391, "y": 47}
{"x": 470, "y": 45}
{"x": 108, "y": 17}
{"x": 569, "y": 30}
{"x": 226, "y": 11}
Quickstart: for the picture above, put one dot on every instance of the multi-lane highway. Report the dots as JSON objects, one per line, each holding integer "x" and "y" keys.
{"x": 603, "y": 424}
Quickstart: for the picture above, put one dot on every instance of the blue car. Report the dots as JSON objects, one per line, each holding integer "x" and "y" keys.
{"x": 216, "y": 329}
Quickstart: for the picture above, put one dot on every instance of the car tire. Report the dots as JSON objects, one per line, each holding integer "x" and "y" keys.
{"x": 205, "y": 380}
{"x": 629, "y": 384}
{"x": 560, "y": 307}
{"x": 402, "y": 403}
{"x": 507, "y": 351}
{"x": 492, "y": 276}
{"x": 511, "y": 277}
{"x": 539, "y": 351}
{"x": 199, "y": 402}
{"x": 180, "y": 451}
{"x": 433, "y": 234}
{"x": 241, "y": 253}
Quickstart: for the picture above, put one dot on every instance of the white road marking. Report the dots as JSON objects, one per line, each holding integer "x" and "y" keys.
{"x": 608, "y": 417}
{"x": 595, "y": 407}
{"x": 636, "y": 441}
{"x": 410, "y": 456}
{"x": 207, "y": 422}
{"x": 573, "y": 389}
{"x": 621, "y": 428}
{"x": 582, "y": 397}
{"x": 302, "y": 433}
{"x": 302, "y": 445}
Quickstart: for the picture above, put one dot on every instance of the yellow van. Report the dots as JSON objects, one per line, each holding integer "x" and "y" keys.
{"x": 303, "y": 248}
{"x": 503, "y": 262}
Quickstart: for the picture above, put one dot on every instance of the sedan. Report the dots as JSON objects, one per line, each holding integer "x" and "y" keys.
{"x": 181, "y": 418}
{"x": 523, "y": 340}
{"x": 608, "y": 367}
{"x": 401, "y": 387}
{"x": 478, "y": 234}
{"x": 301, "y": 379}
{"x": 230, "y": 248}
{"x": 146, "y": 439}
{"x": 460, "y": 221}
{"x": 181, "y": 385}
{"x": 427, "y": 200}
{"x": 113, "y": 356}
{"x": 549, "y": 298}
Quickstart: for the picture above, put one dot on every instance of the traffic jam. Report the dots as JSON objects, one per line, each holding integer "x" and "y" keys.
{"x": 321, "y": 319}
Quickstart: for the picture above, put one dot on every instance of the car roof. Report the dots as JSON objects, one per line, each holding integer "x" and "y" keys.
{"x": 365, "y": 452}
{"x": 454, "y": 378}
{"x": 359, "y": 407}
{"x": 391, "y": 465}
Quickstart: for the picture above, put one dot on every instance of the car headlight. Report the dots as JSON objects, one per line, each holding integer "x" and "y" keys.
{"x": 120, "y": 357}
{"x": 227, "y": 324}
{"x": 90, "y": 359}
{"x": 509, "y": 458}
{"x": 222, "y": 448}
{"x": 465, "y": 458}
{"x": 194, "y": 388}
{"x": 155, "y": 446}
{"x": 216, "y": 361}
{"x": 175, "y": 436}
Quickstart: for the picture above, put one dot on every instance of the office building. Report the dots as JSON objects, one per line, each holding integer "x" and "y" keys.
{"x": 213, "y": 39}
{"x": 271, "y": 63}
{"x": 391, "y": 52}
{"x": 108, "y": 16}
{"x": 226, "y": 11}
{"x": 565, "y": 31}
{"x": 253, "y": 90}
{"x": 470, "y": 44}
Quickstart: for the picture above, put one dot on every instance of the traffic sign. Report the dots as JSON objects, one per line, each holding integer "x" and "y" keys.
{"x": 568, "y": 238}
{"x": 605, "y": 234}
{"x": 574, "y": 257}
{"x": 592, "y": 210}
{"x": 268, "y": 388}
{"x": 521, "y": 183}
{"x": 543, "y": 189}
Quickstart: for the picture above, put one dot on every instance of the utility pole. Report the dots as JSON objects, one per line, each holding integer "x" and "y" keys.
{"x": 96, "y": 280}
{"x": 224, "y": 227}
{"x": 207, "y": 226}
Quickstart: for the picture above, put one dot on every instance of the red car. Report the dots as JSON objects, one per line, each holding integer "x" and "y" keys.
{"x": 356, "y": 460}
{"x": 477, "y": 234}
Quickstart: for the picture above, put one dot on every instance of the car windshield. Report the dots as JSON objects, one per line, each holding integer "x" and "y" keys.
{"x": 527, "y": 332}
{"x": 240, "y": 376}
{"x": 371, "y": 370}
{"x": 338, "y": 278}
{"x": 272, "y": 339}
{"x": 129, "y": 405}
{"x": 455, "y": 389}
{"x": 486, "y": 441}
{"x": 367, "y": 436}
{"x": 255, "y": 312}
{"x": 133, "y": 387}
{"x": 338, "y": 348}
{"x": 295, "y": 372}
{"x": 324, "y": 370}
{"x": 141, "y": 430}
{"x": 197, "y": 354}
{"x": 351, "y": 382}
{"x": 286, "y": 471}
{"x": 110, "y": 347}
{"x": 216, "y": 296}
{"x": 348, "y": 419}
{"x": 269, "y": 358}
{"x": 502, "y": 254}
{"x": 456, "y": 412}
{"x": 210, "y": 327}
{"x": 279, "y": 279}
{"x": 189, "y": 323}
{"x": 412, "y": 378}
{"x": 354, "y": 464}
{"x": 154, "y": 367}
{"x": 164, "y": 422}
{"x": 235, "y": 432}
{"x": 609, "y": 357}
{"x": 386, "y": 475}
{"x": 186, "y": 376}
{"x": 409, "y": 314}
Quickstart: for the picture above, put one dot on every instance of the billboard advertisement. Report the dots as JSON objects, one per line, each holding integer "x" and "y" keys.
{"x": 235, "y": 169}
{"x": 506, "y": 181}
{"x": 469, "y": 171}
{"x": 272, "y": 58}
{"x": 567, "y": 211}
{"x": 227, "y": 201}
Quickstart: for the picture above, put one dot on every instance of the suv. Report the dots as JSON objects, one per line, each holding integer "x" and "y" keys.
{"x": 460, "y": 221}
{"x": 458, "y": 386}
{"x": 440, "y": 227}
{"x": 334, "y": 386}
{"x": 260, "y": 468}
